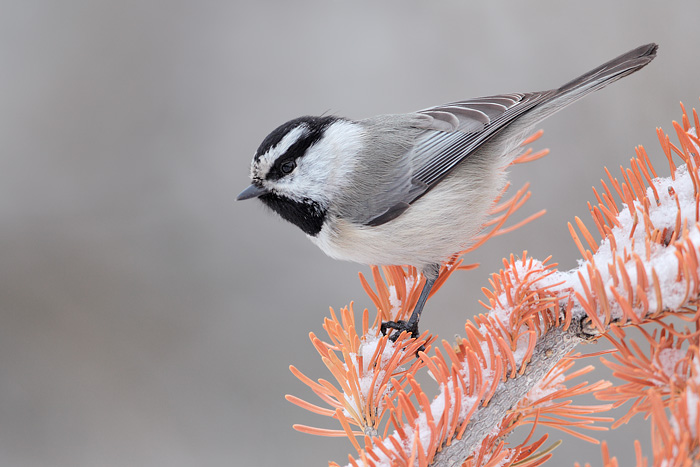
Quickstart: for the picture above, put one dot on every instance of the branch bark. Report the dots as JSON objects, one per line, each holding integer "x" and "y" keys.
{"x": 550, "y": 349}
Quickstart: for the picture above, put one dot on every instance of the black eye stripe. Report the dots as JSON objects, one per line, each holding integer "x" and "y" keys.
{"x": 315, "y": 128}
{"x": 275, "y": 137}
{"x": 288, "y": 166}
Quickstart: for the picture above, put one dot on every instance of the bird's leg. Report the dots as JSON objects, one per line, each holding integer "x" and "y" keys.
{"x": 431, "y": 275}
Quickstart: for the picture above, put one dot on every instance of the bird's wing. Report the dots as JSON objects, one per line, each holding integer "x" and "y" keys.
{"x": 460, "y": 128}
{"x": 452, "y": 132}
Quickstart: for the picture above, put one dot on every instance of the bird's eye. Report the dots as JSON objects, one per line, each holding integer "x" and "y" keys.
{"x": 288, "y": 166}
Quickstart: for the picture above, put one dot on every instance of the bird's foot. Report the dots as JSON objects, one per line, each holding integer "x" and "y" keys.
{"x": 401, "y": 326}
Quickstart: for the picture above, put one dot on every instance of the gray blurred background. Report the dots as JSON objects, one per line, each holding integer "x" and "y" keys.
{"x": 146, "y": 318}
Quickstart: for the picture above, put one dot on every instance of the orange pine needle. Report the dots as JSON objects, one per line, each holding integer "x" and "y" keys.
{"x": 376, "y": 379}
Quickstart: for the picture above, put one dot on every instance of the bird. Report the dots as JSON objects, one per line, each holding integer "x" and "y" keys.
{"x": 408, "y": 189}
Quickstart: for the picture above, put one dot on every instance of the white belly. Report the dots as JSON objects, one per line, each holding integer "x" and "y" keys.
{"x": 438, "y": 225}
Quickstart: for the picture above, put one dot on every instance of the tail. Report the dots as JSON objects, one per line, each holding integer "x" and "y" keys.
{"x": 608, "y": 72}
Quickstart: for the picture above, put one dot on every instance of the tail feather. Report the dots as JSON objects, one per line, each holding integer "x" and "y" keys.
{"x": 609, "y": 72}
{"x": 594, "y": 80}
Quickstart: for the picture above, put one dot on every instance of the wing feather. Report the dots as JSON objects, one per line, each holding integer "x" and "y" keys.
{"x": 437, "y": 152}
{"x": 451, "y": 132}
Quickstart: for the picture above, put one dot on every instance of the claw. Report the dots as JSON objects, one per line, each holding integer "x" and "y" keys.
{"x": 401, "y": 326}
{"x": 411, "y": 325}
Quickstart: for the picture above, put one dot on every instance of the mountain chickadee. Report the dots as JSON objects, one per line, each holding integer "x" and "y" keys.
{"x": 408, "y": 189}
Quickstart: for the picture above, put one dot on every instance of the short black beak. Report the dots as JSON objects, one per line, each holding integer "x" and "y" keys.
{"x": 253, "y": 191}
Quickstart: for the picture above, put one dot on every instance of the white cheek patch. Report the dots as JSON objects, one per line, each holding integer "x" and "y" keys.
{"x": 327, "y": 165}
{"x": 262, "y": 166}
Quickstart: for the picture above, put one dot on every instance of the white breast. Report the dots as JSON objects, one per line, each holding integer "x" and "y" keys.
{"x": 436, "y": 226}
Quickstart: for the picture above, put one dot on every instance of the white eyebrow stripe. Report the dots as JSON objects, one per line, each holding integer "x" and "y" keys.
{"x": 267, "y": 160}
{"x": 290, "y": 138}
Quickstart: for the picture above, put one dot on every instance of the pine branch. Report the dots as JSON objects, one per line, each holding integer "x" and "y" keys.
{"x": 510, "y": 368}
{"x": 552, "y": 347}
